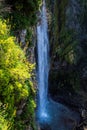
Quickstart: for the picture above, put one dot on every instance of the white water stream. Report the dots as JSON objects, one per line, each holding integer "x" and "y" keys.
{"x": 43, "y": 67}
{"x": 50, "y": 113}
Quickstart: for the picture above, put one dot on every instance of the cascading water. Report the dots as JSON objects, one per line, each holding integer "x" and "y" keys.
{"x": 49, "y": 113}
{"x": 43, "y": 48}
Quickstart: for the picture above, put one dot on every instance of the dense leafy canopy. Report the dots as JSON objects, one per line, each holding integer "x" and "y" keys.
{"x": 23, "y": 13}
{"x": 15, "y": 77}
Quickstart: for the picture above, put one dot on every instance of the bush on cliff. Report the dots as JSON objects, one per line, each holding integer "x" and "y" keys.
{"x": 15, "y": 80}
{"x": 23, "y": 13}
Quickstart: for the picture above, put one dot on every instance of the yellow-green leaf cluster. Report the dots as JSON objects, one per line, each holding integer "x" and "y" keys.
{"x": 15, "y": 72}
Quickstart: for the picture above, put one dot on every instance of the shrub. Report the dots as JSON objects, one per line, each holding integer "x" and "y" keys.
{"x": 15, "y": 75}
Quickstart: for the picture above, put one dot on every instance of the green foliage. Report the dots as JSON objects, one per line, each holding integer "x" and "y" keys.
{"x": 23, "y": 13}
{"x": 67, "y": 45}
{"x": 15, "y": 76}
{"x": 28, "y": 116}
{"x": 57, "y": 23}
{"x": 4, "y": 124}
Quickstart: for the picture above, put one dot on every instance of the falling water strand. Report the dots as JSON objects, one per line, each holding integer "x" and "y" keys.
{"x": 43, "y": 47}
{"x": 49, "y": 113}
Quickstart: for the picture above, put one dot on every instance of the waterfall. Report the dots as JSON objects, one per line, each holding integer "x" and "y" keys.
{"x": 50, "y": 114}
{"x": 43, "y": 49}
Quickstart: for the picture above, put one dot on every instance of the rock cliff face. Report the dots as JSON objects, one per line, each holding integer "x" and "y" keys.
{"x": 68, "y": 57}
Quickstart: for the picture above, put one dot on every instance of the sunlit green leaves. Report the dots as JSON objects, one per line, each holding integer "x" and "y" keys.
{"x": 15, "y": 75}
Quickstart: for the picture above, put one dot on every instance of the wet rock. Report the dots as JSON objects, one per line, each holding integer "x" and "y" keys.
{"x": 23, "y": 36}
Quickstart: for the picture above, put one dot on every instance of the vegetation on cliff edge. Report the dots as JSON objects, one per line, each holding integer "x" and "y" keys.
{"x": 15, "y": 81}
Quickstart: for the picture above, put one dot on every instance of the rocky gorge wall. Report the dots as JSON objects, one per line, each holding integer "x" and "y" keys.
{"x": 68, "y": 43}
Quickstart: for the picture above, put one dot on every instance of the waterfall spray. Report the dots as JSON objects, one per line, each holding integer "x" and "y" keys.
{"x": 43, "y": 49}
